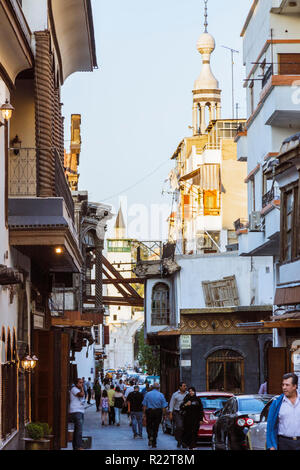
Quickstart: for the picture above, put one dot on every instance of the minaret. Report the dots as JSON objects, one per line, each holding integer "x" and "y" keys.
{"x": 120, "y": 227}
{"x": 206, "y": 88}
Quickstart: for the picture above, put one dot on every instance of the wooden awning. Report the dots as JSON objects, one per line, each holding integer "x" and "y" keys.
{"x": 9, "y": 276}
{"x": 287, "y": 296}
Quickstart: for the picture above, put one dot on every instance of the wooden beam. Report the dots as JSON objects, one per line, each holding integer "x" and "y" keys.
{"x": 117, "y": 286}
{"x": 56, "y": 321}
{"x": 130, "y": 301}
{"x": 137, "y": 280}
{"x": 282, "y": 324}
{"x": 116, "y": 273}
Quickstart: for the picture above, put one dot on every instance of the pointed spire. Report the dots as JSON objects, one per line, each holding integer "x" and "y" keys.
{"x": 205, "y": 16}
{"x": 120, "y": 227}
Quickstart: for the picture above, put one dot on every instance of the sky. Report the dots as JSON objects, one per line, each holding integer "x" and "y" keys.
{"x": 137, "y": 106}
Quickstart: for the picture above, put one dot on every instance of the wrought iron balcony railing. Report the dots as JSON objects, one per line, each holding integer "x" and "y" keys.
{"x": 270, "y": 196}
{"x": 267, "y": 76}
{"x": 240, "y": 224}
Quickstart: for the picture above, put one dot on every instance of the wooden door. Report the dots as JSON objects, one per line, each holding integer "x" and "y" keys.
{"x": 43, "y": 377}
{"x": 278, "y": 365}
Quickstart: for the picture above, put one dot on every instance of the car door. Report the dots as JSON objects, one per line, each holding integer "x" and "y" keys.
{"x": 258, "y": 433}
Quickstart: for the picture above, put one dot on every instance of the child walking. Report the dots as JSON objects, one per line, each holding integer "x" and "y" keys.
{"x": 104, "y": 404}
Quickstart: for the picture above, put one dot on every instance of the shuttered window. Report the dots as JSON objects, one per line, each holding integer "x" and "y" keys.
{"x": 289, "y": 64}
{"x": 8, "y": 399}
{"x": 160, "y": 305}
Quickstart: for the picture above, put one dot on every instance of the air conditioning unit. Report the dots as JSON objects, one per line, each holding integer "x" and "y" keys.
{"x": 255, "y": 222}
{"x": 204, "y": 242}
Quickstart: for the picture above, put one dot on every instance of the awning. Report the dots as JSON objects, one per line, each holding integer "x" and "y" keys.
{"x": 207, "y": 177}
{"x": 9, "y": 276}
{"x": 287, "y": 296}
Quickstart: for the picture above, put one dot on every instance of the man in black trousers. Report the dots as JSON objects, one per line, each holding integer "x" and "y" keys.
{"x": 154, "y": 405}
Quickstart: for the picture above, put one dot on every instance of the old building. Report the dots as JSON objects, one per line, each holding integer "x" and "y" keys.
{"x": 123, "y": 320}
{"x": 41, "y": 44}
{"x": 208, "y": 181}
{"x": 272, "y": 60}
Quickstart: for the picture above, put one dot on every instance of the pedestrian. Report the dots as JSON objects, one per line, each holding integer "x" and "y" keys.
{"x": 121, "y": 385}
{"x": 146, "y": 389}
{"x": 135, "y": 408}
{"x": 127, "y": 392}
{"x": 84, "y": 387}
{"x": 104, "y": 404}
{"x": 175, "y": 414}
{"x": 111, "y": 394}
{"x": 283, "y": 425}
{"x": 155, "y": 405}
{"x": 76, "y": 410}
{"x": 263, "y": 389}
{"x": 119, "y": 403}
{"x": 97, "y": 392}
{"x": 89, "y": 390}
{"x": 193, "y": 414}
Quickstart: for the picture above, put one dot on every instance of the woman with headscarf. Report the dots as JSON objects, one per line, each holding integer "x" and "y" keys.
{"x": 192, "y": 412}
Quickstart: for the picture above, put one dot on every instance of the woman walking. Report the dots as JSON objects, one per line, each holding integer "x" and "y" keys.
{"x": 119, "y": 403}
{"x": 104, "y": 403}
{"x": 192, "y": 412}
{"x": 97, "y": 392}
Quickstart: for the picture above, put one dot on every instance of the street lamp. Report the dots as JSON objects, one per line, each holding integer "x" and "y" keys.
{"x": 6, "y": 111}
{"x": 29, "y": 362}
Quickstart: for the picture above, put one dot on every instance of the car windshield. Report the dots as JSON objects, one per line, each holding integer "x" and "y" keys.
{"x": 213, "y": 403}
{"x": 252, "y": 405}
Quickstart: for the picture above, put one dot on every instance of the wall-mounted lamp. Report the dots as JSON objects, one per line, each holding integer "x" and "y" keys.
{"x": 6, "y": 112}
{"x": 16, "y": 144}
{"x": 29, "y": 362}
{"x": 58, "y": 250}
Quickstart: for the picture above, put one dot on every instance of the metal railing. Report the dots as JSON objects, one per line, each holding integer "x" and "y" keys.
{"x": 267, "y": 76}
{"x": 240, "y": 224}
{"x": 270, "y": 196}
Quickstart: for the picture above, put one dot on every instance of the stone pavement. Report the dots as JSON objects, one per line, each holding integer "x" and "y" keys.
{"x": 119, "y": 437}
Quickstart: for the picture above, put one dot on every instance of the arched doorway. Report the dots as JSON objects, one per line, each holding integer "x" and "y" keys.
{"x": 225, "y": 371}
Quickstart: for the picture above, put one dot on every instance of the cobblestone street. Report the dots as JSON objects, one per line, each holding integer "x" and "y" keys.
{"x": 121, "y": 437}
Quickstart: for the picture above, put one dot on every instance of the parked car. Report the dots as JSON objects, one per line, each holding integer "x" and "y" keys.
{"x": 256, "y": 438}
{"x": 212, "y": 402}
{"x": 235, "y": 420}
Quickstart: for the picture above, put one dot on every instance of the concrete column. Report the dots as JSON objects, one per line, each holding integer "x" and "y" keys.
{"x": 219, "y": 111}
{"x": 203, "y": 124}
{"x": 195, "y": 118}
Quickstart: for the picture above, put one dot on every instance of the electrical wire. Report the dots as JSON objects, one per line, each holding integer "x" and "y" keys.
{"x": 137, "y": 183}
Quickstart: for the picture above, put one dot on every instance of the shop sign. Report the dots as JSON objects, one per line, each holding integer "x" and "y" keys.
{"x": 185, "y": 342}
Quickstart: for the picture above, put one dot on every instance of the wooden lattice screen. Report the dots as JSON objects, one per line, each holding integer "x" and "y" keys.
{"x": 9, "y": 399}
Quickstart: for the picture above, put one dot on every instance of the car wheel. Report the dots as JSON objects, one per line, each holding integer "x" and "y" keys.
{"x": 213, "y": 442}
{"x": 227, "y": 443}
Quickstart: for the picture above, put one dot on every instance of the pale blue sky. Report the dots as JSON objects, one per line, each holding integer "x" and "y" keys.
{"x": 138, "y": 105}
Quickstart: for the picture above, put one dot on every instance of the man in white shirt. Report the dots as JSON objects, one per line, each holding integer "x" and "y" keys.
{"x": 174, "y": 410}
{"x": 76, "y": 410}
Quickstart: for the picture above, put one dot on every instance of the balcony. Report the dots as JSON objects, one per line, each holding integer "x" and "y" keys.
{"x": 284, "y": 7}
{"x": 241, "y": 225}
{"x": 270, "y": 197}
{"x": 24, "y": 176}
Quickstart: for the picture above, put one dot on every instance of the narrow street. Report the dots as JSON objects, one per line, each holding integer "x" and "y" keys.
{"x": 121, "y": 438}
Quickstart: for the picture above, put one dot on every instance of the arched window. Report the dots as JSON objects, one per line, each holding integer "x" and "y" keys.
{"x": 225, "y": 371}
{"x": 160, "y": 314}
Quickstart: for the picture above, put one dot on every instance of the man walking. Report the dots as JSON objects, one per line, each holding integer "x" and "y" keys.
{"x": 155, "y": 405}
{"x": 111, "y": 400}
{"x": 76, "y": 411}
{"x": 135, "y": 408}
{"x": 89, "y": 390}
{"x": 283, "y": 426}
{"x": 174, "y": 408}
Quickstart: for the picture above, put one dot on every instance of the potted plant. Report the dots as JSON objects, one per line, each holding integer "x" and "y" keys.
{"x": 35, "y": 439}
{"x": 47, "y": 433}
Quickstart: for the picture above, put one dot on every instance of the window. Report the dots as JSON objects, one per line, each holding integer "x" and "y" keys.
{"x": 211, "y": 203}
{"x": 115, "y": 317}
{"x": 225, "y": 371}
{"x": 9, "y": 392}
{"x": 290, "y": 245}
{"x": 160, "y": 305}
